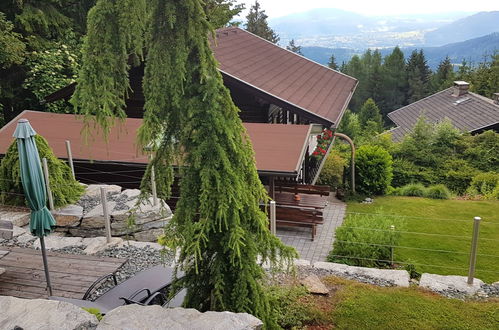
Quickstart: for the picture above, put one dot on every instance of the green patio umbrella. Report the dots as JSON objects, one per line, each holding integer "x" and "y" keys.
{"x": 41, "y": 220}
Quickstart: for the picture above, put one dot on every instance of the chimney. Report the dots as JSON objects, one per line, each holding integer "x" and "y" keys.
{"x": 496, "y": 98}
{"x": 460, "y": 88}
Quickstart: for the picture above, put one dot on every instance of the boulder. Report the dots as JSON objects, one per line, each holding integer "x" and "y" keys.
{"x": 442, "y": 283}
{"x": 150, "y": 235}
{"x": 397, "y": 277}
{"x": 95, "y": 217}
{"x": 83, "y": 232}
{"x": 97, "y": 244}
{"x": 18, "y": 231}
{"x": 68, "y": 216}
{"x": 313, "y": 284}
{"x": 93, "y": 190}
{"x": 54, "y": 242}
{"x": 42, "y": 314}
{"x": 17, "y": 218}
{"x": 131, "y": 193}
{"x": 25, "y": 238}
{"x": 157, "y": 318}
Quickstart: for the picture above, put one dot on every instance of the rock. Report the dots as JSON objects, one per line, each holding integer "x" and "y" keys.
{"x": 95, "y": 217}
{"x": 93, "y": 190}
{"x": 18, "y": 231}
{"x": 17, "y": 218}
{"x": 396, "y": 277}
{"x": 68, "y": 216}
{"x": 150, "y": 235}
{"x": 131, "y": 193}
{"x": 302, "y": 263}
{"x": 441, "y": 283}
{"x": 83, "y": 232}
{"x": 97, "y": 244}
{"x": 314, "y": 284}
{"x": 157, "y": 318}
{"x": 42, "y": 314}
{"x": 2, "y": 270}
{"x": 141, "y": 245}
{"x": 25, "y": 238}
{"x": 55, "y": 243}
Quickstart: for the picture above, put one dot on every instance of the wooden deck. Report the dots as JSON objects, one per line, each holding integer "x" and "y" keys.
{"x": 71, "y": 275}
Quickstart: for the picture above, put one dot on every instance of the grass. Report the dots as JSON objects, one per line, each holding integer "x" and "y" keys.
{"x": 353, "y": 305}
{"x": 442, "y": 219}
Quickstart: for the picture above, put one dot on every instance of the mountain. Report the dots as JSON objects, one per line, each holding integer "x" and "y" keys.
{"x": 463, "y": 29}
{"x": 472, "y": 50}
{"x": 333, "y": 28}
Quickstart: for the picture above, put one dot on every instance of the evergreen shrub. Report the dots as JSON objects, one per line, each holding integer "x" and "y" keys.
{"x": 484, "y": 184}
{"x": 438, "y": 191}
{"x": 65, "y": 189}
{"x": 365, "y": 240}
{"x": 373, "y": 170}
{"x": 332, "y": 171}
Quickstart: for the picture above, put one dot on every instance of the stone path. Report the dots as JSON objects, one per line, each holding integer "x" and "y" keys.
{"x": 300, "y": 238}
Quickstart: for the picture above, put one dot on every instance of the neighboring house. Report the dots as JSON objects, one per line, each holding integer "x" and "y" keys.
{"x": 467, "y": 111}
{"x": 271, "y": 85}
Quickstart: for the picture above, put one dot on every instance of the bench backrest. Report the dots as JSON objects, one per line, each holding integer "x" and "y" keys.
{"x": 6, "y": 229}
{"x": 298, "y": 215}
{"x": 303, "y": 188}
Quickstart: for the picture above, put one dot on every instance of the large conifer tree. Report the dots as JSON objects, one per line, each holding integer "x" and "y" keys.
{"x": 257, "y": 24}
{"x": 218, "y": 225}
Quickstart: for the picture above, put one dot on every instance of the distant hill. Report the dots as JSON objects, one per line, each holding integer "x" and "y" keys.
{"x": 463, "y": 29}
{"x": 472, "y": 50}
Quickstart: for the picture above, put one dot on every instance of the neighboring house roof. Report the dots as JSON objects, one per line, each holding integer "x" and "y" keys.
{"x": 278, "y": 148}
{"x": 469, "y": 112}
{"x": 283, "y": 74}
{"x": 280, "y": 76}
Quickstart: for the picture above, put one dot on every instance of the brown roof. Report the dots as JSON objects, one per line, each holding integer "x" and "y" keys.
{"x": 278, "y": 148}
{"x": 469, "y": 112}
{"x": 283, "y": 74}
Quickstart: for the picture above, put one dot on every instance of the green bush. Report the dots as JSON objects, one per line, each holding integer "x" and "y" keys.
{"x": 484, "y": 184}
{"x": 332, "y": 171}
{"x": 65, "y": 189}
{"x": 458, "y": 175}
{"x": 373, "y": 170}
{"x": 365, "y": 240}
{"x": 438, "y": 191}
{"x": 290, "y": 309}
{"x": 413, "y": 189}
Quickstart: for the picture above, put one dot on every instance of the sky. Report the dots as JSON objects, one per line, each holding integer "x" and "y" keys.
{"x": 277, "y": 8}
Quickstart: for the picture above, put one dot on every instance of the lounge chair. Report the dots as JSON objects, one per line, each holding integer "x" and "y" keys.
{"x": 144, "y": 288}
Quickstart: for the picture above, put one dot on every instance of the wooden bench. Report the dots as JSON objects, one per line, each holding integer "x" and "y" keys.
{"x": 299, "y": 217}
{"x": 303, "y": 188}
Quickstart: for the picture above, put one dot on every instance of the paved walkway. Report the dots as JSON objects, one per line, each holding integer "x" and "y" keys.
{"x": 300, "y": 238}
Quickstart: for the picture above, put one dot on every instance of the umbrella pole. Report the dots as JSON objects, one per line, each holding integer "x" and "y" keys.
{"x": 45, "y": 265}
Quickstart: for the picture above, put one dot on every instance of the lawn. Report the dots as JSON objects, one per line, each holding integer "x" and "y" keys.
{"x": 353, "y": 305}
{"x": 443, "y": 220}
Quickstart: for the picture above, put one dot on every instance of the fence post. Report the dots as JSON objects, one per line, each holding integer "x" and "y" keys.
{"x": 474, "y": 246}
{"x": 47, "y": 183}
{"x": 103, "y": 199}
{"x": 153, "y": 187}
{"x": 272, "y": 218}
{"x": 70, "y": 158}
{"x": 392, "y": 227}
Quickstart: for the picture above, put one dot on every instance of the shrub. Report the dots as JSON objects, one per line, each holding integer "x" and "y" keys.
{"x": 332, "y": 172}
{"x": 290, "y": 309}
{"x": 413, "y": 189}
{"x": 458, "y": 175}
{"x": 484, "y": 184}
{"x": 438, "y": 191}
{"x": 65, "y": 189}
{"x": 365, "y": 240}
{"x": 373, "y": 170}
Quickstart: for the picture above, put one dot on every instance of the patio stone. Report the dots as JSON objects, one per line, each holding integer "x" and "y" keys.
{"x": 42, "y": 314}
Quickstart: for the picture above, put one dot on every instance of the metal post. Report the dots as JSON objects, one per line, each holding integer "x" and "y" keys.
{"x": 45, "y": 264}
{"x": 47, "y": 183}
{"x": 392, "y": 227}
{"x": 153, "y": 187}
{"x": 70, "y": 158}
{"x": 474, "y": 246}
{"x": 103, "y": 198}
{"x": 272, "y": 218}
